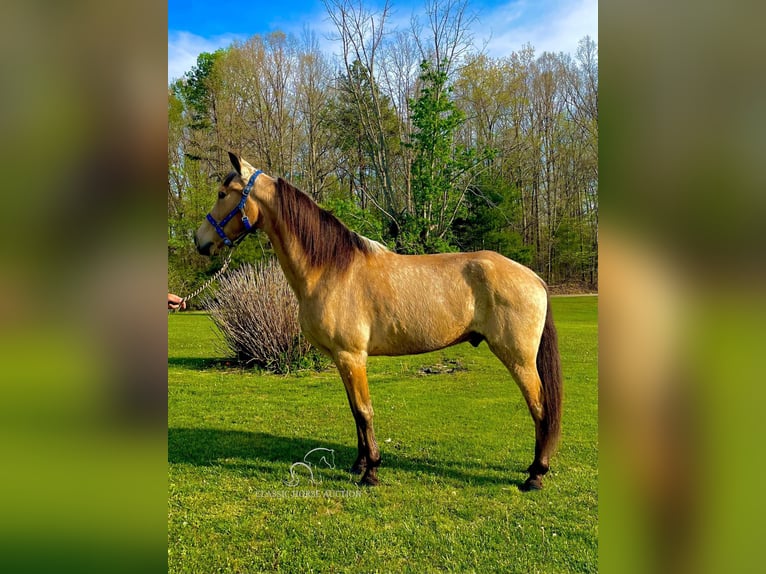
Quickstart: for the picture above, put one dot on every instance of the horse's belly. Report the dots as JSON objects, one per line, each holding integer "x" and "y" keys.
{"x": 410, "y": 346}
{"x": 420, "y": 336}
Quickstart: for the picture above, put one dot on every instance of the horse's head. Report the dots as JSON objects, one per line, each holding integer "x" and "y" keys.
{"x": 235, "y": 212}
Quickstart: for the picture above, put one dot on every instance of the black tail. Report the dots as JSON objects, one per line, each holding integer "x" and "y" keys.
{"x": 549, "y": 369}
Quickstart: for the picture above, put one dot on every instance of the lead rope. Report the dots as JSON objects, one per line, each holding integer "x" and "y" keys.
{"x": 209, "y": 282}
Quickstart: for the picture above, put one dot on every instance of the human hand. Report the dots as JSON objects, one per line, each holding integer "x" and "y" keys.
{"x": 175, "y": 302}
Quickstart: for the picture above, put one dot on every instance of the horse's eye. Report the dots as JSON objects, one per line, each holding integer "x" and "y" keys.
{"x": 221, "y": 194}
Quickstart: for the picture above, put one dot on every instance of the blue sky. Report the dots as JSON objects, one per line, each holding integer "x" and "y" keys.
{"x": 196, "y": 26}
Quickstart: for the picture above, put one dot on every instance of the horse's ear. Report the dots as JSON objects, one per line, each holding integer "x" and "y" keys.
{"x": 244, "y": 169}
{"x": 236, "y": 163}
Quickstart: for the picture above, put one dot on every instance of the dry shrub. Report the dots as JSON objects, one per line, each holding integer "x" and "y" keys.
{"x": 257, "y": 314}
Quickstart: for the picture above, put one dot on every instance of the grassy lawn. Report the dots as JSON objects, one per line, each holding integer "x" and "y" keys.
{"x": 454, "y": 447}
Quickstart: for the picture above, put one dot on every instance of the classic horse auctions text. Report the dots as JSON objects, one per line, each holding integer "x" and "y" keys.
{"x": 316, "y": 493}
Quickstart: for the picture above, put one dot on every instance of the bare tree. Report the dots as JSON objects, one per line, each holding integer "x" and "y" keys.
{"x": 446, "y": 36}
{"x": 399, "y": 75}
{"x": 361, "y": 33}
{"x": 316, "y": 149}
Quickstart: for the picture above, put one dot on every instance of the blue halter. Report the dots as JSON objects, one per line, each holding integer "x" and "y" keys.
{"x": 241, "y": 208}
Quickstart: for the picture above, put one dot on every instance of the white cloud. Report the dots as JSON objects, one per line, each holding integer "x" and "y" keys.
{"x": 184, "y": 47}
{"x": 547, "y": 26}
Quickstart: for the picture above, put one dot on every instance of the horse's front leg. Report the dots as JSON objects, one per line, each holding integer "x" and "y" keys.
{"x": 360, "y": 464}
{"x": 353, "y": 371}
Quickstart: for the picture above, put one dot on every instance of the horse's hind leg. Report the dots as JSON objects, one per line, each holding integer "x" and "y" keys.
{"x": 523, "y": 369}
{"x": 353, "y": 371}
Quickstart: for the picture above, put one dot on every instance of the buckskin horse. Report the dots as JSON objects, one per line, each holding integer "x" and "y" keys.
{"x": 358, "y": 299}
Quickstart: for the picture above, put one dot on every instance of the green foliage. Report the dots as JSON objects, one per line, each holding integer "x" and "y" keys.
{"x": 195, "y": 89}
{"x": 175, "y": 107}
{"x": 440, "y": 167}
{"x": 492, "y": 220}
{"x": 575, "y": 255}
{"x": 362, "y": 221}
{"x": 452, "y": 460}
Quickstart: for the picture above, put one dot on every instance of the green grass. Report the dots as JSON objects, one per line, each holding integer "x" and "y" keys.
{"x": 454, "y": 450}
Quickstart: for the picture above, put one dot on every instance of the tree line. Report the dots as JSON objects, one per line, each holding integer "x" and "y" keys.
{"x": 413, "y": 137}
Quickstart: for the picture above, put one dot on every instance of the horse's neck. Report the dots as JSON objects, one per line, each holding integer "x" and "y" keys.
{"x": 290, "y": 256}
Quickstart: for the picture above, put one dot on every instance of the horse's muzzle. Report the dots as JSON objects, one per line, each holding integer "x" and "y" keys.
{"x": 203, "y": 249}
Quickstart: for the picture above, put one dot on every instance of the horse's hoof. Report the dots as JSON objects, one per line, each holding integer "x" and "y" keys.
{"x": 369, "y": 480}
{"x": 531, "y": 483}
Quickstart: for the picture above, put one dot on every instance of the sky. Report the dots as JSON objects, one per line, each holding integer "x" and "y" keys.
{"x": 503, "y": 26}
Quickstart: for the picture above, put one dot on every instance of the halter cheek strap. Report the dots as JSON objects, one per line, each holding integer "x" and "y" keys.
{"x": 219, "y": 225}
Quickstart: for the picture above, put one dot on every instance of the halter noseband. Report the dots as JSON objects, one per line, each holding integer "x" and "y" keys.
{"x": 218, "y": 226}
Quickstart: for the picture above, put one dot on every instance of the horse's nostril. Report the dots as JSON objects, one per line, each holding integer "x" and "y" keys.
{"x": 203, "y": 249}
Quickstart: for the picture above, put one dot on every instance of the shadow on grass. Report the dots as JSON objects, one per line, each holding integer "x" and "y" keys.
{"x": 258, "y": 450}
{"x": 231, "y": 364}
{"x": 199, "y": 364}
